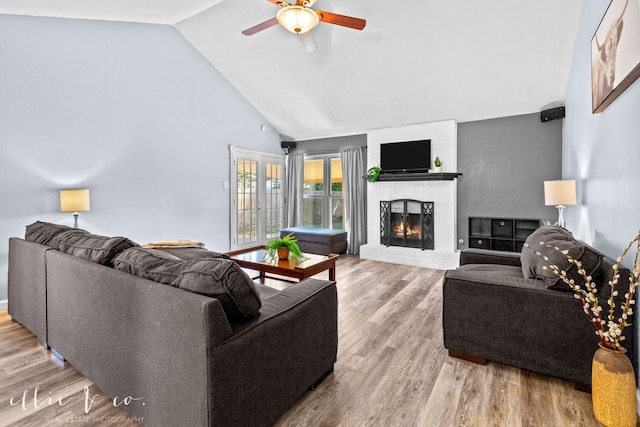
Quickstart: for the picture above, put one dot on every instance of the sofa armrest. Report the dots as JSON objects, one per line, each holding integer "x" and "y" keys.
{"x": 27, "y": 286}
{"x": 275, "y": 358}
{"x": 485, "y": 256}
{"x": 287, "y": 299}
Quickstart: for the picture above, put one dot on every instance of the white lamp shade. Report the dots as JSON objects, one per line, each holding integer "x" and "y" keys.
{"x": 560, "y": 193}
{"x": 74, "y": 200}
{"x": 298, "y": 19}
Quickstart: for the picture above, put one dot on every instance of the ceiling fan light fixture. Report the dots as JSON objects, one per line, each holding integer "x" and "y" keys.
{"x": 298, "y": 19}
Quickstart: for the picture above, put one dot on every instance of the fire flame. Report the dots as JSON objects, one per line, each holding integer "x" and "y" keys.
{"x": 411, "y": 233}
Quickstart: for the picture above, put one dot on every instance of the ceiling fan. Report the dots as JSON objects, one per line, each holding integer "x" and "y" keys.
{"x": 299, "y": 18}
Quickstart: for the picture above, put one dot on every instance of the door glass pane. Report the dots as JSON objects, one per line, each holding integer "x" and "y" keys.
{"x": 312, "y": 212}
{"x": 274, "y": 199}
{"x": 247, "y": 212}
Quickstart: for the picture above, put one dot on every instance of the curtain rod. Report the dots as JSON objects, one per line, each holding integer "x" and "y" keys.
{"x": 327, "y": 151}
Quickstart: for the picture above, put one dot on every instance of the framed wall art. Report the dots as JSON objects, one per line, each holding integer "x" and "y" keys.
{"x": 615, "y": 53}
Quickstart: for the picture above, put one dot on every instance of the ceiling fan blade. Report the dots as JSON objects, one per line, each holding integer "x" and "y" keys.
{"x": 345, "y": 21}
{"x": 279, "y": 3}
{"x": 266, "y": 24}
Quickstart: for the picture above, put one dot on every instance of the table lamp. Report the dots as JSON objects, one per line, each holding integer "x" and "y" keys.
{"x": 74, "y": 201}
{"x": 560, "y": 194}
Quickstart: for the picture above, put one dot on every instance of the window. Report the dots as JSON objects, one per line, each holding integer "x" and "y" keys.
{"x": 323, "y": 205}
{"x": 257, "y": 193}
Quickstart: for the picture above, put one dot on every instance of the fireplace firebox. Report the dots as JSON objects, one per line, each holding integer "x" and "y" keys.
{"x": 407, "y": 223}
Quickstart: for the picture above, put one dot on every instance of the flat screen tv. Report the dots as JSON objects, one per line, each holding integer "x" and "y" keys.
{"x": 406, "y": 157}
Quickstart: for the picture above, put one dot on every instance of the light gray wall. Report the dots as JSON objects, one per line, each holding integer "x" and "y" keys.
{"x": 330, "y": 145}
{"x": 130, "y": 111}
{"x": 504, "y": 163}
{"x": 601, "y": 152}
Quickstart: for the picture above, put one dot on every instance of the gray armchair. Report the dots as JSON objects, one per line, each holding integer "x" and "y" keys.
{"x": 492, "y": 312}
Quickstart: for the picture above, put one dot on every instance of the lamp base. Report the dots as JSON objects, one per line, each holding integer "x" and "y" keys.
{"x": 560, "y": 216}
{"x": 75, "y": 219}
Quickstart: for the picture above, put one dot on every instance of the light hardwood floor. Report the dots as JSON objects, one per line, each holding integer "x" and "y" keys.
{"x": 392, "y": 369}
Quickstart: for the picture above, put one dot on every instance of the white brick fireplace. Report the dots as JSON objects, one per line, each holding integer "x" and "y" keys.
{"x": 443, "y": 136}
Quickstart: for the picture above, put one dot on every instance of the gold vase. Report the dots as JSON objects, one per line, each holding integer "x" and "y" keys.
{"x": 283, "y": 252}
{"x": 613, "y": 388}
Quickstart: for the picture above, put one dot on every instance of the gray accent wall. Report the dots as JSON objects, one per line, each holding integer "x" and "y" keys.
{"x": 504, "y": 163}
{"x": 131, "y": 111}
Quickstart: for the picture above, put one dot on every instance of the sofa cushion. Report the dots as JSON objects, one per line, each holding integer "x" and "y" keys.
{"x": 532, "y": 264}
{"x": 92, "y": 247}
{"x": 222, "y": 279}
{"x": 152, "y": 264}
{"x": 65, "y": 236}
{"x": 42, "y": 232}
{"x": 493, "y": 269}
{"x": 193, "y": 253}
{"x": 266, "y": 292}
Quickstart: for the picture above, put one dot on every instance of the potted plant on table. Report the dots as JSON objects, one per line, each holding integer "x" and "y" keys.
{"x": 283, "y": 247}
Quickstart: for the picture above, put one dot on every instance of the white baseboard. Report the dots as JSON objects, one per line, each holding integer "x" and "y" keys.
{"x": 4, "y": 304}
{"x": 638, "y": 400}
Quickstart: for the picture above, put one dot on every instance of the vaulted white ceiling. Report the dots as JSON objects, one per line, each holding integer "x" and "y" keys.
{"x": 415, "y": 61}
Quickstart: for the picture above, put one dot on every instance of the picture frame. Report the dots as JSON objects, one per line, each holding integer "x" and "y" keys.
{"x": 615, "y": 53}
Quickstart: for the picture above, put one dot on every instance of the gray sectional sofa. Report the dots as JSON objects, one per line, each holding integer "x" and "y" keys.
{"x": 503, "y": 307}
{"x": 181, "y": 355}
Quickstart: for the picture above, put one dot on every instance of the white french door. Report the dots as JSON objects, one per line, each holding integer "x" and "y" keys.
{"x": 257, "y": 197}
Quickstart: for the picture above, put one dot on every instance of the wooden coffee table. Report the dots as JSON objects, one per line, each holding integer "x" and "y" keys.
{"x": 310, "y": 265}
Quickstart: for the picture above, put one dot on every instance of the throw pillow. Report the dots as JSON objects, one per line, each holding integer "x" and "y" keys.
{"x": 532, "y": 264}
{"x": 188, "y": 254}
{"x": 222, "y": 279}
{"x": 42, "y": 232}
{"x": 151, "y": 264}
{"x": 92, "y": 247}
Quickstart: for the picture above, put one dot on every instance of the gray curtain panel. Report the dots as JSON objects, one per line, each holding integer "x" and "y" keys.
{"x": 295, "y": 184}
{"x": 354, "y": 191}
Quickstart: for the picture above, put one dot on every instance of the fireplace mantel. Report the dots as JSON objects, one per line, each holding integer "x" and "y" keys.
{"x": 441, "y": 176}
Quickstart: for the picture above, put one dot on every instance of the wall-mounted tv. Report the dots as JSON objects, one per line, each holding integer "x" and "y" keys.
{"x": 405, "y": 157}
